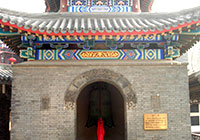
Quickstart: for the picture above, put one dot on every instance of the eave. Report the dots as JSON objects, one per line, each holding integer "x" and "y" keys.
{"x": 5, "y": 74}
{"x": 188, "y": 41}
{"x": 99, "y": 23}
{"x": 104, "y": 24}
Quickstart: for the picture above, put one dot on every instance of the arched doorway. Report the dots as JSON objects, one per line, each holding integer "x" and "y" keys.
{"x": 114, "y": 101}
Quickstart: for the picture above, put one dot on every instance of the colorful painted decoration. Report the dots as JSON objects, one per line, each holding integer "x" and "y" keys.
{"x": 102, "y": 39}
{"x": 192, "y": 32}
{"x": 79, "y": 3}
{"x": 172, "y": 53}
{"x": 120, "y": 3}
{"x": 100, "y": 8}
{"x": 121, "y": 54}
{"x": 96, "y": 54}
{"x": 3, "y": 33}
{"x": 28, "y": 54}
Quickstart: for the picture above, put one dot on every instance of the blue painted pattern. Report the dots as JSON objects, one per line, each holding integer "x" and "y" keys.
{"x": 122, "y": 54}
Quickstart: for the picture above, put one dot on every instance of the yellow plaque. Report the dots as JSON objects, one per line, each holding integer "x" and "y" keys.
{"x": 99, "y": 54}
{"x": 155, "y": 121}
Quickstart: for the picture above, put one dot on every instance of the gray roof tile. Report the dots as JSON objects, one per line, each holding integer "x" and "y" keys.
{"x": 99, "y": 22}
{"x": 5, "y": 73}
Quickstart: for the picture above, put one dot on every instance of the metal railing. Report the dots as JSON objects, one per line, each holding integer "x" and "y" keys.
{"x": 195, "y": 136}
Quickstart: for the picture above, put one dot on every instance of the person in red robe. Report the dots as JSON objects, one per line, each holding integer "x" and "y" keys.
{"x": 100, "y": 129}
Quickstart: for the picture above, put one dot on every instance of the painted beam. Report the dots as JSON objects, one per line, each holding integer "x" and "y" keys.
{"x": 81, "y": 39}
{"x": 120, "y": 54}
{"x": 64, "y": 54}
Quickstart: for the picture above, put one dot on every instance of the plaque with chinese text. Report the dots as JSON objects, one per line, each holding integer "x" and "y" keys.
{"x": 155, "y": 122}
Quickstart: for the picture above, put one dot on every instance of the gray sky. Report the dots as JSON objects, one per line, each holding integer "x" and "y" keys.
{"x": 38, "y": 6}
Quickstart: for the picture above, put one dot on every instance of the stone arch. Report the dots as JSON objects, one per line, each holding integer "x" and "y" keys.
{"x": 104, "y": 75}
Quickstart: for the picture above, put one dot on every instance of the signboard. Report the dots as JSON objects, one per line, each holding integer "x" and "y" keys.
{"x": 100, "y": 9}
{"x": 100, "y": 54}
{"x": 155, "y": 122}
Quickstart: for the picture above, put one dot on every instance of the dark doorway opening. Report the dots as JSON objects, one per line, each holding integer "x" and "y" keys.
{"x": 117, "y": 110}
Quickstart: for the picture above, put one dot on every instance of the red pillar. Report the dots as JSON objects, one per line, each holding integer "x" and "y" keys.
{"x": 63, "y": 6}
{"x": 136, "y": 6}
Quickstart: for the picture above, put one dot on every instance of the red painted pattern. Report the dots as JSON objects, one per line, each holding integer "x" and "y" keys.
{"x": 99, "y": 33}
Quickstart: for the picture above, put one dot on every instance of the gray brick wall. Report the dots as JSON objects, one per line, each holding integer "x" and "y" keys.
{"x": 38, "y": 80}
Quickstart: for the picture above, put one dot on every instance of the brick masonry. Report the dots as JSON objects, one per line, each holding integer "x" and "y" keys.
{"x": 45, "y": 92}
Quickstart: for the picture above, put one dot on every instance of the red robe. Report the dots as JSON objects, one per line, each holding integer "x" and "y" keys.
{"x": 100, "y": 129}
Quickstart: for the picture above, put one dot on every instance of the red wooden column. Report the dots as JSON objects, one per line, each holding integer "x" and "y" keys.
{"x": 63, "y": 6}
{"x": 136, "y": 6}
{"x": 47, "y": 6}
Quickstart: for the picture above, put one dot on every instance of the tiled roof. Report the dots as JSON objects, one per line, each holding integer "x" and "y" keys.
{"x": 92, "y": 23}
{"x": 188, "y": 41}
{"x": 5, "y": 73}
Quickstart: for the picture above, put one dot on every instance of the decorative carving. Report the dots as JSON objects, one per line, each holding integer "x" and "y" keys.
{"x": 131, "y": 105}
{"x": 194, "y": 101}
{"x": 99, "y": 3}
{"x": 131, "y": 100}
{"x": 70, "y": 105}
{"x": 100, "y": 75}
